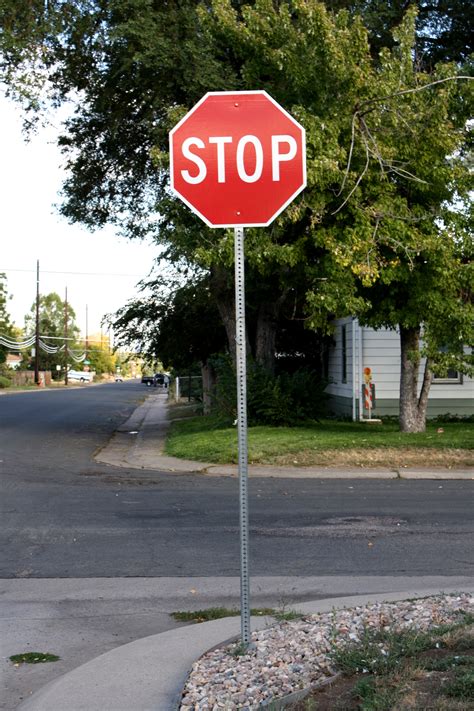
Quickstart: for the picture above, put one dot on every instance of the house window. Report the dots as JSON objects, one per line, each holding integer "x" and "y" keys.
{"x": 344, "y": 353}
{"x": 452, "y": 376}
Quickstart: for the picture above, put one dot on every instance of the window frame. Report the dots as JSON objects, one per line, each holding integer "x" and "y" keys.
{"x": 343, "y": 354}
{"x": 457, "y": 380}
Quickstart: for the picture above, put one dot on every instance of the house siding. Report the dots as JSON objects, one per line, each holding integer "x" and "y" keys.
{"x": 380, "y": 350}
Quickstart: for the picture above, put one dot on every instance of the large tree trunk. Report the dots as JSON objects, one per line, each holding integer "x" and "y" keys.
{"x": 265, "y": 336}
{"x": 223, "y": 290}
{"x": 208, "y": 385}
{"x": 265, "y": 325}
{"x": 227, "y": 312}
{"x": 266, "y": 331}
{"x": 412, "y": 406}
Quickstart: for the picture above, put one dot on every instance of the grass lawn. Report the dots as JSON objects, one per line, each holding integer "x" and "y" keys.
{"x": 326, "y": 443}
{"x": 54, "y": 385}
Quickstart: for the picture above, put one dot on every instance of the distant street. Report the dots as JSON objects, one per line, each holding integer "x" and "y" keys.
{"x": 64, "y": 515}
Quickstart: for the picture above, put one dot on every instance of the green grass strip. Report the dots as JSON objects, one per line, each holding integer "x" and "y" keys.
{"x": 33, "y": 658}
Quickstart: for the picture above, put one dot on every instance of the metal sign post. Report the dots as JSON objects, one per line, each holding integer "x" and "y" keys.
{"x": 241, "y": 360}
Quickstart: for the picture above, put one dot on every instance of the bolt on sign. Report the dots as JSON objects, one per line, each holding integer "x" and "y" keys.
{"x": 237, "y": 159}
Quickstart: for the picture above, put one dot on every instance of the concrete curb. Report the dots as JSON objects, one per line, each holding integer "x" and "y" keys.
{"x": 149, "y": 674}
{"x": 138, "y": 444}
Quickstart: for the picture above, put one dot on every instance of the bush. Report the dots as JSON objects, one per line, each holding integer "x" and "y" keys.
{"x": 448, "y": 417}
{"x": 279, "y": 400}
{"x": 4, "y": 382}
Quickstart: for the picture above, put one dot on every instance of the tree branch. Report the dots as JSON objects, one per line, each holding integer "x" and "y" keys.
{"x": 367, "y": 136}
{"x": 415, "y": 89}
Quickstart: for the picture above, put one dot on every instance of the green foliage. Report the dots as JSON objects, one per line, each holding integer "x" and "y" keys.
{"x": 214, "y": 439}
{"x": 5, "y": 382}
{"x": 382, "y": 229}
{"x": 34, "y": 658}
{"x": 462, "y": 687}
{"x": 380, "y": 652}
{"x": 52, "y": 313}
{"x": 101, "y": 360}
{"x": 284, "y": 399}
{"x": 177, "y": 323}
{"x": 218, "y": 613}
{"x": 444, "y": 31}
{"x": 448, "y": 417}
{"x": 447, "y": 663}
{"x": 373, "y": 696}
{"x": 6, "y": 326}
{"x": 287, "y": 615}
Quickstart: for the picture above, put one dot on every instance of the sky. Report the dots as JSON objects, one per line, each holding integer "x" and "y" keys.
{"x": 100, "y": 270}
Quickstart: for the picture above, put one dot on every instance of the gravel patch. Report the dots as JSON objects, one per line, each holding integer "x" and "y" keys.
{"x": 290, "y": 656}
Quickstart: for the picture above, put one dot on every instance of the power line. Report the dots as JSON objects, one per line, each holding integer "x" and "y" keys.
{"x": 47, "y": 271}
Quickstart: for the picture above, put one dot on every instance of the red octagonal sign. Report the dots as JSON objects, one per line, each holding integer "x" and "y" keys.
{"x": 237, "y": 159}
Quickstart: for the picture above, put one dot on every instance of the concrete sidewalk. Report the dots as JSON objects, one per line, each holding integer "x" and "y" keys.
{"x": 139, "y": 442}
{"x": 149, "y": 674}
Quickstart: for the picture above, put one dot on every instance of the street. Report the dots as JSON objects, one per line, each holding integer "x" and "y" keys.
{"x": 65, "y": 515}
{"x": 95, "y": 556}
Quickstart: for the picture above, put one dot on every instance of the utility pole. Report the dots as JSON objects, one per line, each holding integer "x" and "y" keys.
{"x": 65, "y": 339}
{"x": 87, "y": 332}
{"x": 37, "y": 379}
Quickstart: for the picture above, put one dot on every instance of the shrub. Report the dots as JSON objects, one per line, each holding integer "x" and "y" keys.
{"x": 281, "y": 400}
{"x": 448, "y": 417}
{"x": 4, "y": 382}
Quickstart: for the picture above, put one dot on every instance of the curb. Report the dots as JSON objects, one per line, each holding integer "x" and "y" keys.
{"x": 282, "y": 701}
{"x": 149, "y": 674}
{"x": 138, "y": 444}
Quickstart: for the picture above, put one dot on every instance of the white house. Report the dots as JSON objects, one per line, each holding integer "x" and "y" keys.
{"x": 357, "y": 348}
{"x": 13, "y": 360}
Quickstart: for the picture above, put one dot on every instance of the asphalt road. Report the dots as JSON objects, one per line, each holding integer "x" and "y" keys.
{"x": 64, "y": 515}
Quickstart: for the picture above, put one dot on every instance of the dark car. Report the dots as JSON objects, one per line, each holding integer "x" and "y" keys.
{"x": 157, "y": 379}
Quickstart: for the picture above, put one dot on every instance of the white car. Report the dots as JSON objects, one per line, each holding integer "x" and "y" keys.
{"x": 80, "y": 375}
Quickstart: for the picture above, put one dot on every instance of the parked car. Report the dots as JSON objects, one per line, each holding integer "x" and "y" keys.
{"x": 81, "y": 375}
{"x": 157, "y": 379}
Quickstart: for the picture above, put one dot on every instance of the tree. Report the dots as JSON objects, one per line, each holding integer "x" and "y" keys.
{"x": 52, "y": 311}
{"x": 430, "y": 299}
{"x": 179, "y": 326}
{"x": 99, "y": 354}
{"x": 392, "y": 227}
{"x": 182, "y": 326}
{"x": 101, "y": 361}
{"x": 444, "y": 30}
{"x": 6, "y": 327}
{"x": 385, "y": 140}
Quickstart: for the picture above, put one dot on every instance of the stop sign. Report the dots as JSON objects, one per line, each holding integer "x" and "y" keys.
{"x": 237, "y": 159}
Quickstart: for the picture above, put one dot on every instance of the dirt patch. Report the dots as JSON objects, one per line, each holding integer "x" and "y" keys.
{"x": 378, "y": 457}
{"x": 440, "y": 679}
{"x": 182, "y": 411}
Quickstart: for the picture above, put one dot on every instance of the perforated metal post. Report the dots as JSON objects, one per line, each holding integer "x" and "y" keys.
{"x": 240, "y": 341}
